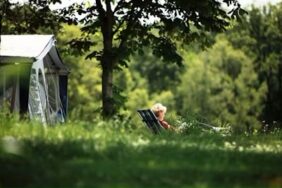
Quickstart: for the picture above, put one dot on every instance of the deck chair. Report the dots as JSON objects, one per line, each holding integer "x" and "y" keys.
{"x": 150, "y": 120}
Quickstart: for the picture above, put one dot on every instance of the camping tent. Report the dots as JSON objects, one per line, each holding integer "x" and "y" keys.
{"x": 33, "y": 77}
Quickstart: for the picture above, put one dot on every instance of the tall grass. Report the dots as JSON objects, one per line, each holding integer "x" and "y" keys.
{"x": 119, "y": 153}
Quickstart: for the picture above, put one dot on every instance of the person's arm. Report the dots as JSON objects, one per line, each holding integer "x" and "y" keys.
{"x": 165, "y": 124}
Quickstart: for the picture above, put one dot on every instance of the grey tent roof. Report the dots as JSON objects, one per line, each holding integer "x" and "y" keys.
{"x": 29, "y": 48}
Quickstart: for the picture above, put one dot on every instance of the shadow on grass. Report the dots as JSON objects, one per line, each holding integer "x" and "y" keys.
{"x": 84, "y": 163}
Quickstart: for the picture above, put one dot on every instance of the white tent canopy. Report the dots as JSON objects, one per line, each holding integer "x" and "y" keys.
{"x": 29, "y": 48}
{"x": 47, "y": 76}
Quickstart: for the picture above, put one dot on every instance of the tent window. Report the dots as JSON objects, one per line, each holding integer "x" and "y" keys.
{"x": 53, "y": 91}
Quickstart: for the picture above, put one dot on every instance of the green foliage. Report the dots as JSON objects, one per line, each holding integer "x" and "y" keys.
{"x": 160, "y": 75}
{"x": 32, "y": 17}
{"x": 236, "y": 83}
{"x": 130, "y": 26}
{"x": 84, "y": 87}
{"x": 260, "y": 34}
{"x": 221, "y": 85}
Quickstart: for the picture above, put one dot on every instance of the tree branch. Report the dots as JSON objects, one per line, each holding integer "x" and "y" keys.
{"x": 100, "y": 8}
{"x": 108, "y": 6}
{"x": 120, "y": 5}
{"x": 118, "y": 27}
{"x": 131, "y": 20}
{"x": 130, "y": 24}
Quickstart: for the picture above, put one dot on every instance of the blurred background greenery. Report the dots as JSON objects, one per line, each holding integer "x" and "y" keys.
{"x": 237, "y": 81}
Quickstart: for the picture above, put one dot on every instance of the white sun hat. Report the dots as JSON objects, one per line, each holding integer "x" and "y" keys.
{"x": 158, "y": 107}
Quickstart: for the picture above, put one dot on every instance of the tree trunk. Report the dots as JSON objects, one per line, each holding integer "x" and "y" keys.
{"x": 280, "y": 94}
{"x": 108, "y": 61}
{"x": 107, "y": 90}
{"x": 108, "y": 107}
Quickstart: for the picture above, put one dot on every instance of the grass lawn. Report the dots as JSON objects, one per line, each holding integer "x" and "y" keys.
{"x": 106, "y": 154}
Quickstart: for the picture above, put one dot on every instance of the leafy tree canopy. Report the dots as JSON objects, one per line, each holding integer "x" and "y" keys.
{"x": 222, "y": 85}
{"x": 137, "y": 23}
{"x": 128, "y": 26}
{"x": 31, "y": 17}
{"x": 260, "y": 36}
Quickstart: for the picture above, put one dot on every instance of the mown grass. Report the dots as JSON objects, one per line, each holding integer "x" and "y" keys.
{"x": 113, "y": 154}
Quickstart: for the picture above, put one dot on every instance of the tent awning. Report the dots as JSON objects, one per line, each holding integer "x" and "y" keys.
{"x": 28, "y": 46}
{"x": 28, "y": 49}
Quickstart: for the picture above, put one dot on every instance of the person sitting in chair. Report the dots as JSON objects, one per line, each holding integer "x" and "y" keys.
{"x": 159, "y": 111}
